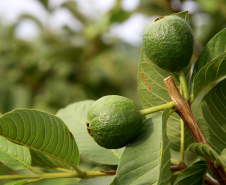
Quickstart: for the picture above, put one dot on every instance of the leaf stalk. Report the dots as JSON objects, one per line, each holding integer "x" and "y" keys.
{"x": 157, "y": 108}
{"x": 57, "y": 175}
{"x": 184, "y": 85}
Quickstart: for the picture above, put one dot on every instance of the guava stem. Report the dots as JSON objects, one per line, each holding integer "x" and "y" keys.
{"x": 80, "y": 172}
{"x": 157, "y": 108}
{"x": 184, "y": 85}
{"x": 71, "y": 174}
{"x": 183, "y": 109}
{"x": 182, "y": 133}
{"x": 182, "y": 141}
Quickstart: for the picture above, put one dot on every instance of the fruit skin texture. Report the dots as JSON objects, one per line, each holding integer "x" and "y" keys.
{"x": 168, "y": 42}
{"x": 114, "y": 121}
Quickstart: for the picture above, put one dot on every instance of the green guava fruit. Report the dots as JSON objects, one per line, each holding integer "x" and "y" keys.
{"x": 114, "y": 121}
{"x": 168, "y": 42}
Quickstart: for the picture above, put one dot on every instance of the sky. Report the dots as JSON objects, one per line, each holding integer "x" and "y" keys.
{"x": 130, "y": 30}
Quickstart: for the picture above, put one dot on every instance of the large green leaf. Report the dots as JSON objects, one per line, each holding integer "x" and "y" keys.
{"x": 211, "y": 116}
{"x": 205, "y": 151}
{"x": 223, "y": 158}
{"x": 14, "y": 156}
{"x": 213, "y": 49}
{"x": 42, "y": 160}
{"x": 147, "y": 159}
{"x": 97, "y": 180}
{"x": 41, "y": 132}
{"x": 183, "y": 15}
{"x": 210, "y": 73}
{"x": 192, "y": 175}
{"x": 17, "y": 182}
{"x": 75, "y": 116}
{"x": 152, "y": 92}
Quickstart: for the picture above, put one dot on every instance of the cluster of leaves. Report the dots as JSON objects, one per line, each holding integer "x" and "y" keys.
{"x": 59, "y": 141}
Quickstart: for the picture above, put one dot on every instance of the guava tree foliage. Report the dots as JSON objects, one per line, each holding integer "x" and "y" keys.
{"x": 36, "y": 140}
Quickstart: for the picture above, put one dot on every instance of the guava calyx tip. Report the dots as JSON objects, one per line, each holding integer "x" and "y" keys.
{"x": 159, "y": 18}
{"x": 87, "y": 125}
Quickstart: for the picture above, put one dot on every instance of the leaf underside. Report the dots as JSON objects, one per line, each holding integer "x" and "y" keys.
{"x": 205, "y": 151}
{"x": 152, "y": 92}
{"x": 223, "y": 158}
{"x": 17, "y": 182}
{"x": 14, "y": 156}
{"x": 147, "y": 159}
{"x": 41, "y": 160}
{"x": 211, "y": 116}
{"x": 192, "y": 175}
{"x": 96, "y": 180}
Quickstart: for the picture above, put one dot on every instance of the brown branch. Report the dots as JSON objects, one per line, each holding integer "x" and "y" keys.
{"x": 208, "y": 181}
{"x": 183, "y": 109}
{"x": 178, "y": 167}
{"x": 110, "y": 172}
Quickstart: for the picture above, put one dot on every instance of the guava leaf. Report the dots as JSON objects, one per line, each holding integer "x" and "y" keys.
{"x": 192, "y": 175}
{"x": 210, "y": 73}
{"x": 96, "y": 180}
{"x": 213, "y": 49}
{"x": 17, "y": 182}
{"x": 223, "y": 158}
{"x": 42, "y": 160}
{"x": 41, "y": 132}
{"x": 152, "y": 92}
{"x": 174, "y": 176}
{"x": 183, "y": 15}
{"x": 211, "y": 116}
{"x": 147, "y": 159}
{"x": 75, "y": 117}
{"x": 205, "y": 151}
{"x": 14, "y": 156}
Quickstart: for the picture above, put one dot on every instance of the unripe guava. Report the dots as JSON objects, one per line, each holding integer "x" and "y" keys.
{"x": 114, "y": 121}
{"x": 168, "y": 42}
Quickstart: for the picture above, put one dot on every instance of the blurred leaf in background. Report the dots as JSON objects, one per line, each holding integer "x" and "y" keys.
{"x": 96, "y": 54}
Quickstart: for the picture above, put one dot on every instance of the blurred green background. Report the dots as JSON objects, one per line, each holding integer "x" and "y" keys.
{"x": 92, "y": 54}
{"x": 95, "y": 55}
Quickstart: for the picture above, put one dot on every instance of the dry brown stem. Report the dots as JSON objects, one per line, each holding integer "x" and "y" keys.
{"x": 183, "y": 109}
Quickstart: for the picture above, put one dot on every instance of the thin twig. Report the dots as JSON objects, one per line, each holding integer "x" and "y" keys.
{"x": 209, "y": 181}
{"x": 178, "y": 167}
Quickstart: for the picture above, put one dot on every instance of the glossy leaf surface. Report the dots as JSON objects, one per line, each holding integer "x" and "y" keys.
{"x": 41, "y": 132}
{"x": 213, "y": 49}
{"x": 210, "y": 73}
